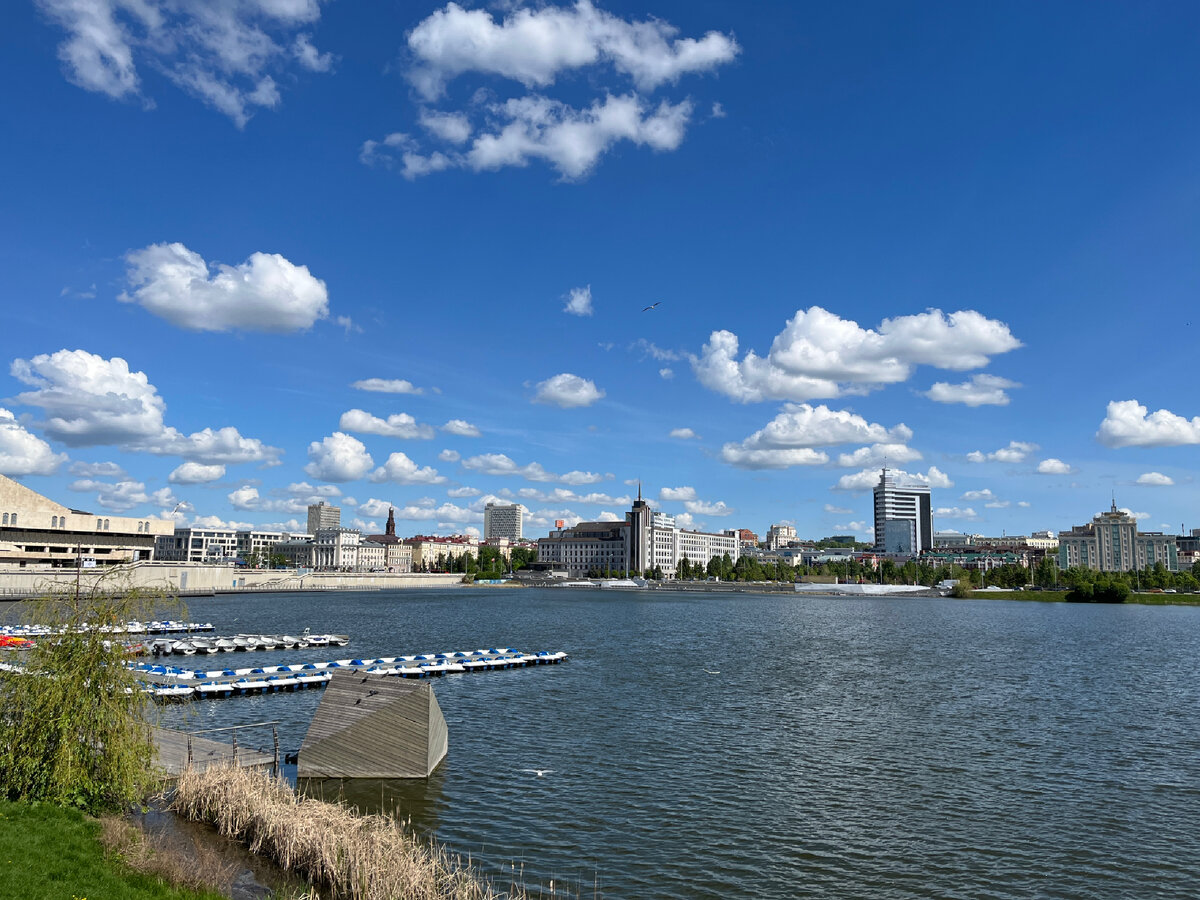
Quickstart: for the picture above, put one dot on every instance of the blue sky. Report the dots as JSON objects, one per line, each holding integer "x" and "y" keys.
{"x": 960, "y": 236}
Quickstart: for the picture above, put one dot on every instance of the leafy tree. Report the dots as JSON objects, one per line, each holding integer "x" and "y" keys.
{"x": 73, "y": 730}
{"x": 684, "y": 569}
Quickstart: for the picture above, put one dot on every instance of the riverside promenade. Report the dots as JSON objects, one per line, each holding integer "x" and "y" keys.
{"x": 203, "y": 580}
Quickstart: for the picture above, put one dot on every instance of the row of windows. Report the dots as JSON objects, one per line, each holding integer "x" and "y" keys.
{"x": 6, "y": 520}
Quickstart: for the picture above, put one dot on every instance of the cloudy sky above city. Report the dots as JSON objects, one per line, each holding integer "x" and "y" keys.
{"x": 264, "y": 252}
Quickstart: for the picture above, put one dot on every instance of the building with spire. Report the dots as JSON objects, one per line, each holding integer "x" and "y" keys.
{"x": 397, "y": 556}
{"x": 1111, "y": 543}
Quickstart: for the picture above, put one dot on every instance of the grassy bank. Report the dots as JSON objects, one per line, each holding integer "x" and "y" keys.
{"x": 1061, "y": 596}
{"x": 51, "y": 853}
{"x": 359, "y": 857}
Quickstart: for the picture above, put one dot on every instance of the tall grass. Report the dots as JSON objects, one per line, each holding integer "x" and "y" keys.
{"x": 357, "y": 857}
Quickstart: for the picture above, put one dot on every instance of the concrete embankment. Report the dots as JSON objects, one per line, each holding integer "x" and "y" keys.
{"x": 193, "y": 580}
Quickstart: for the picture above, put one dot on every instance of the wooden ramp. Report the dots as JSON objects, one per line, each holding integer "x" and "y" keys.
{"x": 171, "y": 753}
{"x": 373, "y": 726}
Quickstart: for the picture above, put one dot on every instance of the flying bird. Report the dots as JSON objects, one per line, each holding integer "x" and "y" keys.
{"x": 538, "y": 772}
{"x": 651, "y": 306}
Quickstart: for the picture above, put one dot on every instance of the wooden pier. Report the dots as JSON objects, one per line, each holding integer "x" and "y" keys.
{"x": 175, "y": 751}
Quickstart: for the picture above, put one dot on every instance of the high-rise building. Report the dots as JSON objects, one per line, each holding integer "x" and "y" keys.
{"x": 323, "y": 517}
{"x": 503, "y": 520}
{"x": 780, "y": 536}
{"x": 903, "y": 517}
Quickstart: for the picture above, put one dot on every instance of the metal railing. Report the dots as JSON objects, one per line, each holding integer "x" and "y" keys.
{"x": 235, "y": 729}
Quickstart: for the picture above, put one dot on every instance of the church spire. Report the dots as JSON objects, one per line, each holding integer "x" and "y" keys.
{"x": 390, "y": 529}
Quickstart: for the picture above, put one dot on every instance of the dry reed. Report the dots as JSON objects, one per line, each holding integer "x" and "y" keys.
{"x": 358, "y": 857}
{"x": 204, "y": 869}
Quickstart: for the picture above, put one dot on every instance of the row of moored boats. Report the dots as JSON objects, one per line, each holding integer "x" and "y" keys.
{"x": 191, "y": 646}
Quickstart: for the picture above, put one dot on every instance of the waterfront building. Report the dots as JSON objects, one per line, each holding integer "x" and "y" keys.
{"x": 503, "y": 520}
{"x": 747, "y": 538}
{"x": 37, "y": 531}
{"x": 336, "y": 549}
{"x": 297, "y": 551}
{"x": 397, "y": 556}
{"x": 645, "y": 541}
{"x": 215, "y": 546}
{"x": 426, "y": 549}
{"x": 322, "y": 517}
{"x": 903, "y": 517}
{"x": 780, "y": 536}
{"x": 1111, "y": 542}
{"x": 952, "y": 540}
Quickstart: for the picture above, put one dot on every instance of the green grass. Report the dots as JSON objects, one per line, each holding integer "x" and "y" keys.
{"x": 50, "y": 853}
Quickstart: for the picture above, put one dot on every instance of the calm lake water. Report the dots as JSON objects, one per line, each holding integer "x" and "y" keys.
{"x": 741, "y": 745}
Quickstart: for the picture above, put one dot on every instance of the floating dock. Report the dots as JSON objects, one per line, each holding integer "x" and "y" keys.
{"x": 175, "y": 683}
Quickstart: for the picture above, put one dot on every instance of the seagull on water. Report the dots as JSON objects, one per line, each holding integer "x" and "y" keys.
{"x": 538, "y": 772}
{"x": 713, "y": 671}
{"x": 651, "y": 306}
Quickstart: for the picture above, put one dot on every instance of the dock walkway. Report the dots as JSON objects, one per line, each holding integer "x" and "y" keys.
{"x": 171, "y": 753}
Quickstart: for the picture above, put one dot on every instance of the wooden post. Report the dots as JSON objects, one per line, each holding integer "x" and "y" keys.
{"x": 275, "y": 737}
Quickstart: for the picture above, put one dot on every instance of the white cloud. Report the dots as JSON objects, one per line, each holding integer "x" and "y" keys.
{"x": 449, "y": 456}
{"x": 666, "y": 373}
{"x": 686, "y": 521}
{"x": 245, "y": 497}
{"x": 819, "y": 354}
{"x": 648, "y": 349}
{"x": 399, "y": 469}
{"x": 460, "y": 492}
{"x": 857, "y": 527}
{"x": 1129, "y": 424}
{"x": 701, "y": 508}
{"x": 500, "y": 464}
{"x": 96, "y": 470}
{"x": 1024, "y": 504}
{"x": 24, "y": 453}
{"x": 878, "y": 455}
{"x": 319, "y": 491}
{"x": 566, "y": 495}
{"x": 125, "y": 495}
{"x": 567, "y": 391}
{"x": 451, "y": 127}
{"x": 1054, "y": 466}
{"x": 954, "y": 512}
{"x": 684, "y": 434}
{"x": 461, "y": 427}
{"x": 196, "y": 473}
{"x": 265, "y": 293}
{"x": 533, "y": 46}
{"x": 447, "y": 513}
{"x": 868, "y": 478}
{"x": 539, "y": 128}
{"x": 338, "y": 457}
{"x": 837, "y": 510}
{"x": 979, "y": 390}
{"x": 399, "y": 425}
{"x": 608, "y": 516}
{"x": 579, "y": 301}
{"x": 375, "y": 509}
{"x": 220, "y": 52}
{"x": 679, "y": 493}
{"x": 1015, "y": 452}
{"x": 387, "y": 386}
{"x": 985, "y": 494}
{"x": 789, "y": 438}
{"x": 90, "y": 401}
{"x": 1155, "y": 478}
{"x": 998, "y": 504}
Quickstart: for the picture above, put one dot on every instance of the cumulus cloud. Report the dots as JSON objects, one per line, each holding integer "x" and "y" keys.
{"x": 461, "y": 427}
{"x": 868, "y": 478}
{"x": 954, "y": 512}
{"x": 196, "y": 473}
{"x": 264, "y": 293}
{"x": 399, "y": 425}
{"x": 666, "y": 373}
{"x": 701, "y": 508}
{"x": 1054, "y": 466}
{"x": 1015, "y": 452}
{"x": 579, "y": 301}
{"x": 338, "y": 457}
{"x": 445, "y": 513}
{"x": 449, "y": 456}
{"x": 649, "y": 350}
{"x": 979, "y": 390}
{"x": 124, "y": 495}
{"x": 985, "y": 494}
{"x": 1157, "y": 479}
{"x": 684, "y": 434}
{"x": 223, "y": 53}
{"x": 566, "y": 495}
{"x": 679, "y": 493}
{"x": 96, "y": 470}
{"x": 789, "y": 438}
{"x": 536, "y": 128}
{"x": 534, "y": 46}
{"x": 1129, "y": 424}
{"x": 878, "y": 455}
{"x": 24, "y": 453}
{"x": 245, "y": 497}
{"x": 91, "y": 401}
{"x": 567, "y": 391}
{"x": 387, "y": 386}
{"x": 500, "y": 464}
{"x": 464, "y": 491}
{"x": 399, "y": 469}
{"x": 837, "y": 510}
{"x": 819, "y": 354}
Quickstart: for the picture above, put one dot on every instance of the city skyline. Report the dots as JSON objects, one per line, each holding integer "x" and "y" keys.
{"x": 746, "y": 257}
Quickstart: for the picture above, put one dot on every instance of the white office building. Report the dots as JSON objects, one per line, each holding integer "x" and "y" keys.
{"x": 322, "y": 517}
{"x": 503, "y": 520}
{"x": 903, "y": 517}
{"x": 198, "y": 545}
